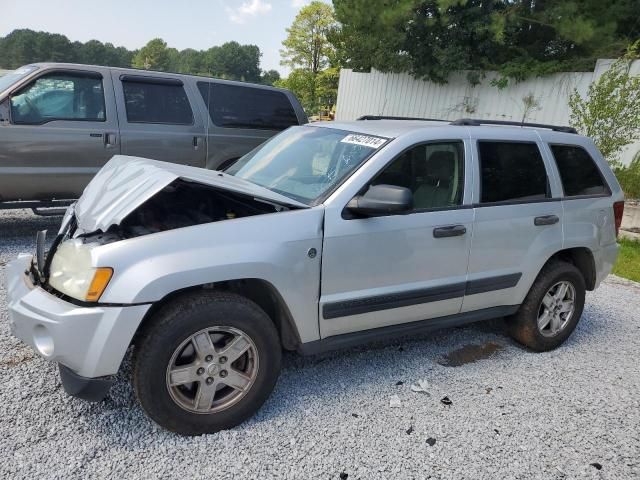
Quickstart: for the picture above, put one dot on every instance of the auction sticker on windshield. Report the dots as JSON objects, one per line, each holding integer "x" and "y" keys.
{"x": 364, "y": 140}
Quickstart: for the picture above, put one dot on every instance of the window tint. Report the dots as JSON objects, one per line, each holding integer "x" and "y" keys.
{"x": 246, "y": 107}
{"x": 511, "y": 171}
{"x": 60, "y": 96}
{"x": 433, "y": 172}
{"x": 578, "y": 171}
{"x": 148, "y": 102}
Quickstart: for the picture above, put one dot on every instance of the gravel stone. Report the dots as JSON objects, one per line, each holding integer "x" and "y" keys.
{"x": 559, "y": 414}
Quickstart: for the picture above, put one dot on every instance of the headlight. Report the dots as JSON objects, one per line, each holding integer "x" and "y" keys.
{"x": 71, "y": 272}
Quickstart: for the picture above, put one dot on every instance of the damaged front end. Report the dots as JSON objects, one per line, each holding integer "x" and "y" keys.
{"x": 132, "y": 197}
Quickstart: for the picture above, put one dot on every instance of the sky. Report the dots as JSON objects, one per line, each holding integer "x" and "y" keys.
{"x": 198, "y": 24}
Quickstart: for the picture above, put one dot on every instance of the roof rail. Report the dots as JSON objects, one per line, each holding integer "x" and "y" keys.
{"x": 475, "y": 123}
{"x": 385, "y": 117}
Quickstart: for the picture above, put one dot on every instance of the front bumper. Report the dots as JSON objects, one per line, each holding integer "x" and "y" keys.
{"x": 89, "y": 341}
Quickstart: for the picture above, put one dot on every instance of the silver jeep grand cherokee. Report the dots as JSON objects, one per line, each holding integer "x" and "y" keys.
{"x": 326, "y": 236}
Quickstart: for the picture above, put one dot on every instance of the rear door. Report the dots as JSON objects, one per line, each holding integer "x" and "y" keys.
{"x": 63, "y": 128}
{"x": 158, "y": 119}
{"x": 517, "y": 218}
{"x": 241, "y": 118}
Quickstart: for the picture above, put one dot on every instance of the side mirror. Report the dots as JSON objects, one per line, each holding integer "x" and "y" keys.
{"x": 381, "y": 200}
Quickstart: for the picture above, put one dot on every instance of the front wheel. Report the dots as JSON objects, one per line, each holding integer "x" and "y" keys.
{"x": 207, "y": 363}
{"x": 552, "y": 308}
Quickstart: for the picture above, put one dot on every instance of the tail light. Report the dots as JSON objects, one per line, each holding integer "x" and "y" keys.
{"x": 618, "y": 211}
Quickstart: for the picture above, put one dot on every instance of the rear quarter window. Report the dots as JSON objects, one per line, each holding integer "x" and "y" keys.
{"x": 578, "y": 171}
{"x": 233, "y": 106}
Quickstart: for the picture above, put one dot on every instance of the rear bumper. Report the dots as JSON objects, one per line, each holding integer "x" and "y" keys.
{"x": 605, "y": 259}
{"x": 89, "y": 341}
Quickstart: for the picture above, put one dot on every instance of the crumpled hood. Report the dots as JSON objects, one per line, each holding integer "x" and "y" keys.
{"x": 125, "y": 183}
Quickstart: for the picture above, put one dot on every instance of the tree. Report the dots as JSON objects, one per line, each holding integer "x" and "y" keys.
{"x": 153, "y": 56}
{"x": 610, "y": 112}
{"x": 307, "y": 50}
{"x": 234, "y": 62}
{"x": 519, "y": 38}
{"x": 269, "y": 77}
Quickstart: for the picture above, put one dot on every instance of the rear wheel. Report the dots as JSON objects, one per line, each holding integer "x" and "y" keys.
{"x": 552, "y": 308}
{"x": 207, "y": 363}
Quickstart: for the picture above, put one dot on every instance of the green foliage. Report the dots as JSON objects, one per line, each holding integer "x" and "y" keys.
{"x": 153, "y": 56}
{"x": 628, "y": 262}
{"x": 432, "y": 38}
{"x": 230, "y": 60}
{"x": 610, "y": 112}
{"x": 309, "y": 53}
{"x": 629, "y": 177}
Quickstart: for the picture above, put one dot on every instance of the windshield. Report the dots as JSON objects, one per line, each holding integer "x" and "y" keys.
{"x": 12, "y": 77}
{"x": 305, "y": 163}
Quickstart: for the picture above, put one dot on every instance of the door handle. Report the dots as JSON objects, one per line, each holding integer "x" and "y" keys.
{"x": 196, "y": 142}
{"x": 546, "y": 220}
{"x": 449, "y": 231}
{"x": 110, "y": 139}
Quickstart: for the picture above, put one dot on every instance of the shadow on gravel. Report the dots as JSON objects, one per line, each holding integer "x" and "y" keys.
{"x": 21, "y": 224}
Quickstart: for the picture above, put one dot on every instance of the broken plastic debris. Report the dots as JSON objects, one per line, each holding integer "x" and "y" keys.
{"x": 394, "y": 401}
{"x": 446, "y": 401}
{"x": 596, "y": 465}
{"x": 421, "y": 387}
{"x": 410, "y": 430}
{"x": 431, "y": 441}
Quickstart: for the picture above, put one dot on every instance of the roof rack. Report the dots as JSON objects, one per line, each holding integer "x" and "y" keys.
{"x": 476, "y": 123}
{"x": 385, "y": 117}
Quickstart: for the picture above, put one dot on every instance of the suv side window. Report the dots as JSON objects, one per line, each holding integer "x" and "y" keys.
{"x": 578, "y": 171}
{"x": 511, "y": 171}
{"x": 434, "y": 172}
{"x": 233, "y": 106}
{"x": 60, "y": 96}
{"x": 149, "y": 101}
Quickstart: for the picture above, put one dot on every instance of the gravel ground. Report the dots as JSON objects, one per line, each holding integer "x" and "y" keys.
{"x": 571, "y": 413}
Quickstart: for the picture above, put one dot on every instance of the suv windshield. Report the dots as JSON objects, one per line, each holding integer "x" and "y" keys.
{"x": 305, "y": 163}
{"x": 12, "y": 77}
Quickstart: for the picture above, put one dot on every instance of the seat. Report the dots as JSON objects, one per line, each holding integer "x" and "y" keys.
{"x": 436, "y": 188}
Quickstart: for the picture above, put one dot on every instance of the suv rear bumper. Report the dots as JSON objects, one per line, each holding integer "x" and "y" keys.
{"x": 605, "y": 258}
{"x": 89, "y": 341}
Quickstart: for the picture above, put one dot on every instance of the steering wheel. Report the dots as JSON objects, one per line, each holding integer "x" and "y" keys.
{"x": 32, "y": 107}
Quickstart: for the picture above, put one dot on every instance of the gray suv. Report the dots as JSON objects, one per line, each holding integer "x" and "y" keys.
{"x": 327, "y": 236}
{"x": 60, "y": 123}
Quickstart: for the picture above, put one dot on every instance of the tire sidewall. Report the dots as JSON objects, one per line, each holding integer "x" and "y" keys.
{"x": 157, "y": 348}
{"x": 527, "y": 319}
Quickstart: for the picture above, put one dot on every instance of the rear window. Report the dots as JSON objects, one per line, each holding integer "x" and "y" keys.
{"x": 234, "y": 106}
{"x": 578, "y": 171}
{"x": 150, "y": 102}
{"x": 511, "y": 171}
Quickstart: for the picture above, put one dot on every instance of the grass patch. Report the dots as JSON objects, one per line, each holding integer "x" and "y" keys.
{"x": 628, "y": 263}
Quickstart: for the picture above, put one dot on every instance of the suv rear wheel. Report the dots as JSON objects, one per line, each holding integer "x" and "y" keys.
{"x": 207, "y": 363}
{"x": 552, "y": 308}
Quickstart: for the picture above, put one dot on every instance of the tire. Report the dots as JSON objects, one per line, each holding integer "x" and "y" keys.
{"x": 168, "y": 352}
{"x": 524, "y": 325}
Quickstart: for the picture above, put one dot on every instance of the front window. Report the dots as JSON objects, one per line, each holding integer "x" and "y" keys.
{"x": 60, "y": 96}
{"x": 306, "y": 163}
{"x": 13, "y": 77}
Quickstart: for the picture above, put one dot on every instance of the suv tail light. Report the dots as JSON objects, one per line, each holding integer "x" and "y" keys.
{"x": 618, "y": 210}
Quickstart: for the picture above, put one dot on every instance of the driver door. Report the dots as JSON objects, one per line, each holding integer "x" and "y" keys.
{"x": 387, "y": 270}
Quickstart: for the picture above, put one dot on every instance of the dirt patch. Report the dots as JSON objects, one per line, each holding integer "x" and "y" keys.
{"x": 17, "y": 359}
{"x": 469, "y": 354}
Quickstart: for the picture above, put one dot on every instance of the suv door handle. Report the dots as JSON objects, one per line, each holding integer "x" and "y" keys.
{"x": 110, "y": 140}
{"x": 196, "y": 142}
{"x": 449, "y": 231}
{"x": 546, "y": 220}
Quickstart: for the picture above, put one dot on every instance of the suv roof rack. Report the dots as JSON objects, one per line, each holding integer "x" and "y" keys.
{"x": 385, "y": 117}
{"x": 476, "y": 123}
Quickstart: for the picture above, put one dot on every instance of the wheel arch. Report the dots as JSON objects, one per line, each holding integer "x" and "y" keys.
{"x": 582, "y": 258}
{"x": 260, "y": 291}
